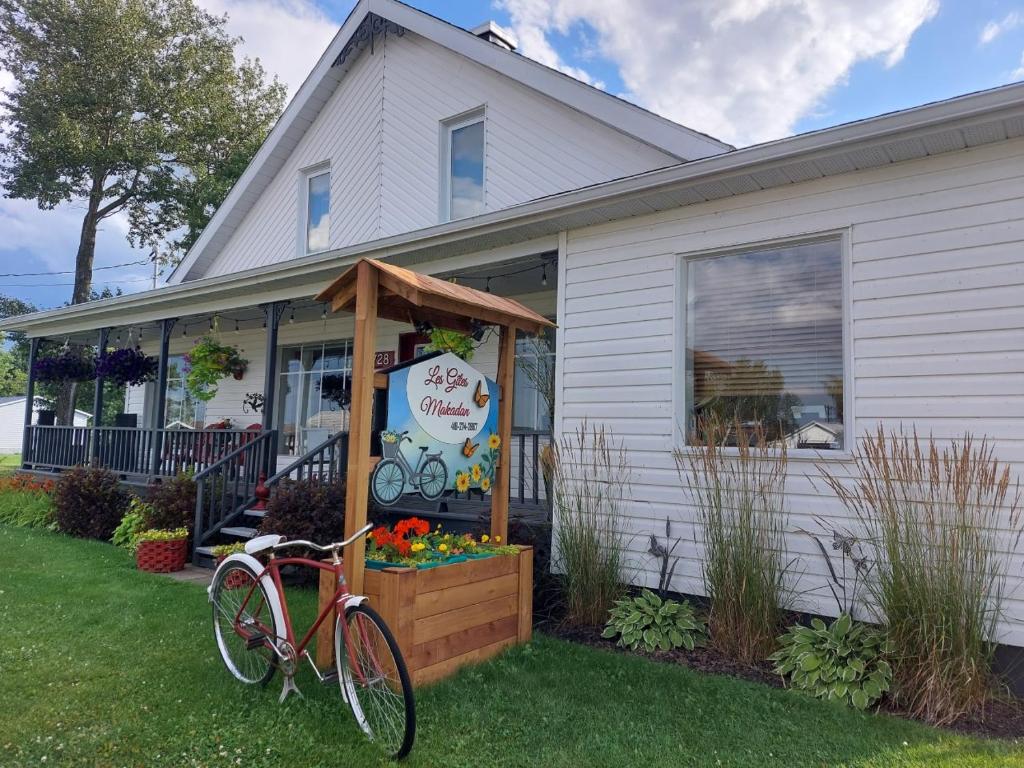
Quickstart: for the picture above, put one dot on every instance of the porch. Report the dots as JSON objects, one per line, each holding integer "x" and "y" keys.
{"x": 291, "y": 430}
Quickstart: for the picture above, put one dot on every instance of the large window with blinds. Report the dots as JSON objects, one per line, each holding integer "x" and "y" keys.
{"x": 764, "y": 342}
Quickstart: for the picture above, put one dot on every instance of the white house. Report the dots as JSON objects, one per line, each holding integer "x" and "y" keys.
{"x": 871, "y": 272}
{"x": 12, "y": 421}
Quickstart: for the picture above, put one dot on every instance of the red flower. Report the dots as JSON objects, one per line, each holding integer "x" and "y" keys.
{"x": 381, "y": 536}
{"x": 404, "y": 547}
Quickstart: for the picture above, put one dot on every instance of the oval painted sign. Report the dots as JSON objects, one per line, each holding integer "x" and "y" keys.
{"x": 448, "y": 398}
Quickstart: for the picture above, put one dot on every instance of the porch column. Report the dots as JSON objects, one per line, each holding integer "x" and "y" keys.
{"x": 273, "y": 312}
{"x": 97, "y": 397}
{"x": 160, "y": 404}
{"x": 30, "y": 397}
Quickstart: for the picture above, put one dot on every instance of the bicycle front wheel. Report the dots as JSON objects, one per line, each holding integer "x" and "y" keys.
{"x": 242, "y": 610}
{"x": 374, "y": 680}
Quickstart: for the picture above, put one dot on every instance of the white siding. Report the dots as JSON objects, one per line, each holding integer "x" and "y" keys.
{"x": 936, "y": 296}
{"x": 380, "y": 132}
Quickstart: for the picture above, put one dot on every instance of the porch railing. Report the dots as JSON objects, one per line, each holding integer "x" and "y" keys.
{"x": 227, "y": 486}
{"x": 526, "y": 475}
{"x": 128, "y": 450}
{"x": 328, "y": 462}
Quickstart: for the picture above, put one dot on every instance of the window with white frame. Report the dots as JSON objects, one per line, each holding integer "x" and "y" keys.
{"x": 533, "y": 398}
{"x": 462, "y": 166}
{"x": 764, "y": 341}
{"x": 317, "y": 217}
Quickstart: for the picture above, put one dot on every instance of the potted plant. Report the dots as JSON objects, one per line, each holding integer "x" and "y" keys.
{"x": 162, "y": 551}
{"x": 207, "y": 363}
{"x": 221, "y": 552}
{"x": 128, "y": 366}
{"x": 67, "y": 365}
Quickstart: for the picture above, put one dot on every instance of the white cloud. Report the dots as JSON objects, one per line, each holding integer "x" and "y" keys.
{"x": 1018, "y": 73}
{"x": 994, "y": 28}
{"x": 288, "y": 36}
{"x": 742, "y": 70}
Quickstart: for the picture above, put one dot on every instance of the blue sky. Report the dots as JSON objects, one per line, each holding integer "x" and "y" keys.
{"x": 745, "y": 72}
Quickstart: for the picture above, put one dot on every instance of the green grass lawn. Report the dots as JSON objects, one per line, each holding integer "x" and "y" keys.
{"x": 101, "y": 665}
{"x": 9, "y": 462}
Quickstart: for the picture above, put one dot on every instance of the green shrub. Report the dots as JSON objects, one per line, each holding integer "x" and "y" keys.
{"x": 89, "y": 503}
{"x": 944, "y": 525}
{"x": 646, "y": 621}
{"x": 843, "y": 661}
{"x": 134, "y": 522}
{"x": 591, "y": 476}
{"x": 27, "y": 509}
{"x": 307, "y": 509}
{"x": 173, "y": 502}
{"x": 739, "y": 493}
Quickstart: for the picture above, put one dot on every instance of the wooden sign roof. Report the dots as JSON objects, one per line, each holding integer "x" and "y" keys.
{"x": 411, "y": 297}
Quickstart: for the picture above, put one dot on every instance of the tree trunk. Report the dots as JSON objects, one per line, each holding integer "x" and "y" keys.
{"x": 65, "y": 406}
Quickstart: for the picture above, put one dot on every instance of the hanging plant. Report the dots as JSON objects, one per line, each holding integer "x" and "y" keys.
{"x": 67, "y": 365}
{"x": 337, "y": 389}
{"x": 459, "y": 344}
{"x": 128, "y": 366}
{"x": 207, "y": 363}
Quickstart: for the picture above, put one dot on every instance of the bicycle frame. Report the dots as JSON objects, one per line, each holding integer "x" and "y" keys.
{"x": 336, "y": 606}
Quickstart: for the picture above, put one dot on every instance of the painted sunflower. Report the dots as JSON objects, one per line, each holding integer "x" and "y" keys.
{"x": 493, "y": 442}
{"x": 461, "y": 482}
{"x": 476, "y": 472}
{"x": 485, "y": 484}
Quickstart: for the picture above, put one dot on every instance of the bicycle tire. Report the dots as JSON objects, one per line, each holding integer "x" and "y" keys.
{"x": 242, "y": 663}
{"x": 361, "y": 691}
{"x": 379, "y": 483}
{"x": 439, "y": 481}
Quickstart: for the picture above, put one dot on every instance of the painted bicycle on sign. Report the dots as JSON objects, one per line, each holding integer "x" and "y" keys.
{"x": 394, "y": 472}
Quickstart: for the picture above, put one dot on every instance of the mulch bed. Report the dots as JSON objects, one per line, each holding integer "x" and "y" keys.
{"x": 1000, "y": 718}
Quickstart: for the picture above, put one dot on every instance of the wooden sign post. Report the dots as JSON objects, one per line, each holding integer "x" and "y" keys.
{"x": 373, "y": 289}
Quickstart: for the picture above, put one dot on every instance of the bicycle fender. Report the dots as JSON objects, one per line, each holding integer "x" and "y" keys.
{"x": 355, "y": 600}
{"x": 268, "y": 584}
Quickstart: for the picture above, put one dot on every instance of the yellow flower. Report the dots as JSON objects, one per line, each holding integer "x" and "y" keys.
{"x": 497, "y": 539}
{"x": 461, "y": 482}
{"x": 418, "y": 546}
{"x": 470, "y": 543}
{"x": 485, "y": 538}
{"x": 477, "y": 473}
{"x": 485, "y": 484}
{"x": 493, "y": 442}
{"x": 442, "y": 548}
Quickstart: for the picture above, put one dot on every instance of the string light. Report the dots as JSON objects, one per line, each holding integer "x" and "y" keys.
{"x": 184, "y": 331}
{"x": 211, "y": 323}
{"x": 487, "y": 288}
{"x": 544, "y": 275}
{"x": 323, "y": 313}
{"x": 291, "y": 319}
{"x": 236, "y": 325}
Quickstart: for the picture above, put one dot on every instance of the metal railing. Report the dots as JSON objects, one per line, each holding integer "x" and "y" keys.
{"x": 228, "y": 486}
{"x": 129, "y": 450}
{"x": 526, "y": 475}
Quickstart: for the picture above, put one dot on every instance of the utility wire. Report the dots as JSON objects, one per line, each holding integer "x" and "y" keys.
{"x": 71, "y": 271}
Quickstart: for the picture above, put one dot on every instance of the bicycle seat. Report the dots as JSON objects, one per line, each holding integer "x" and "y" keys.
{"x": 423, "y": 448}
{"x": 261, "y": 543}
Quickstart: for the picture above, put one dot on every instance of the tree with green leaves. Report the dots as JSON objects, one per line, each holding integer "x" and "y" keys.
{"x": 133, "y": 106}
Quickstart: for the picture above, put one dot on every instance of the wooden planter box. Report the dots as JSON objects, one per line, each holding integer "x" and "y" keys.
{"x": 448, "y": 616}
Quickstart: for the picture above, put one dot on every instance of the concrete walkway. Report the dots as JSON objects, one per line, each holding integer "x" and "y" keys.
{"x": 192, "y": 574}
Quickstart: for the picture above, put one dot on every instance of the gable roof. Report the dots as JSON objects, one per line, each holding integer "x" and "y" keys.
{"x": 367, "y": 19}
{"x": 408, "y": 296}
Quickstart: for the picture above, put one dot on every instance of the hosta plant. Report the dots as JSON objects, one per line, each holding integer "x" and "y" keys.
{"x": 843, "y": 660}
{"x": 653, "y": 624}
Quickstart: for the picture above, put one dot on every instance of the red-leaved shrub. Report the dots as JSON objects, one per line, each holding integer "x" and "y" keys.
{"x": 89, "y": 503}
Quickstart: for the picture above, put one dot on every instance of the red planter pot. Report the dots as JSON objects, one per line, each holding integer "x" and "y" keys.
{"x": 235, "y": 580}
{"x": 162, "y": 556}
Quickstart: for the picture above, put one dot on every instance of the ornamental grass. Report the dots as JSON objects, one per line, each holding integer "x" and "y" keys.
{"x": 739, "y": 492}
{"x": 944, "y": 523}
{"x": 590, "y": 478}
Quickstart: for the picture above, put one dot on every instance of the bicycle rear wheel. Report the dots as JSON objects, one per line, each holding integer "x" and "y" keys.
{"x": 374, "y": 680}
{"x": 232, "y": 586}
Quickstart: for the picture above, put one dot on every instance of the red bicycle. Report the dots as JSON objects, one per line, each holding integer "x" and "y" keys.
{"x": 255, "y": 637}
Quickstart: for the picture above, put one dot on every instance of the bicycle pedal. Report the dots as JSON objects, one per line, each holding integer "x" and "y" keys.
{"x": 255, "y": 641}
{"x": 330, "y": 677}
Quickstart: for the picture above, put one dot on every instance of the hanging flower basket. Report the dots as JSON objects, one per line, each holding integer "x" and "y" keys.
{"x": 127, "y": 367}
{"x": 67, "y": 365}
{"x": 162, "y": 551}
{"x": 207, "y": 363}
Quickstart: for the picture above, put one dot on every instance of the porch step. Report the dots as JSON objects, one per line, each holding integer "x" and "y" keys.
{"x": 256, "y": 512}
{"x": 240, "y": 531}
{"x": 205, "y": 551}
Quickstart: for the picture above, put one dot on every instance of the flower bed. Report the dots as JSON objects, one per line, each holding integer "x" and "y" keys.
{"x": 411, "y": 544}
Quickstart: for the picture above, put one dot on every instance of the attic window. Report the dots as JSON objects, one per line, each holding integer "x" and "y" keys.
{"x": 318, "y": 210}
{"x": 462, "y": 166}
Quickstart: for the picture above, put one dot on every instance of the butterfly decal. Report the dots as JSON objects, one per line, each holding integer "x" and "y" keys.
{"x": 469, "y": 448}
{"x": 480, "y": 396}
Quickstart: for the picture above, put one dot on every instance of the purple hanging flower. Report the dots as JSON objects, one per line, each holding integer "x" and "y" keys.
{"x": 127, "y": 367}
{"x": 67, "y": 365}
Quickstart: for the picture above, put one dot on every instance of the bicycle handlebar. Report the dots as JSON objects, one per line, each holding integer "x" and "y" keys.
{"x": 325, "y": 547}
